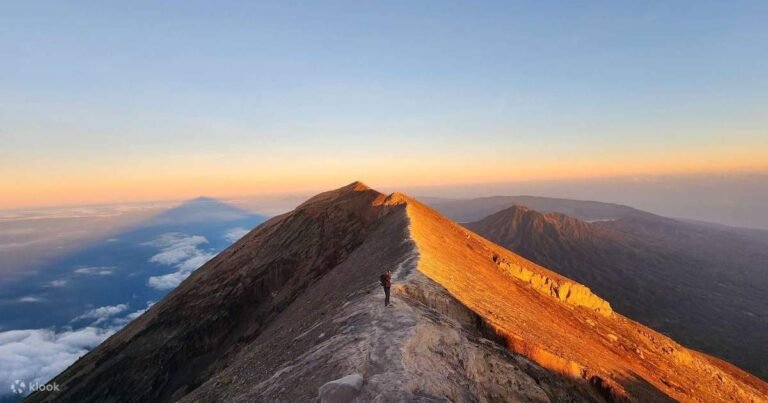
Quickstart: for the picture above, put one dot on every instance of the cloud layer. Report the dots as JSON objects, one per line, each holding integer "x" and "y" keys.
{"x": 37, "y": 355}
{"x": 181, "y": 251}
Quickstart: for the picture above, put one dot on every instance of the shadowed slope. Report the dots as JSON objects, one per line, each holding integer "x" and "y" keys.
{"x": 196, "y": 329}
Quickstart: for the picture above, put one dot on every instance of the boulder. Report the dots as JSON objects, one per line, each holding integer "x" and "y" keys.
{"x": 342, "y": 390}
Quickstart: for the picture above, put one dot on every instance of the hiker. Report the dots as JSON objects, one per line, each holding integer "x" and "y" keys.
{"x": 386, "y": 282}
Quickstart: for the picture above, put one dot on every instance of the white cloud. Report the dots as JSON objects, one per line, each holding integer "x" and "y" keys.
{"x": 37, "y": 355}
{"x": 96, "y": 270}
{"x": 56, "y": 283}
{"x": 181, "y": 251}
{"x": 30, "y": 298}
{"x": 235, "y": 234}
{"x": 103, "y": 313}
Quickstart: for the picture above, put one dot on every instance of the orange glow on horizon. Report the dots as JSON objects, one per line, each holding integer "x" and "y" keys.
{"x": 101, "y": 181}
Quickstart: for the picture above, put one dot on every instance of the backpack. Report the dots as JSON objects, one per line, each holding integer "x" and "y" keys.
{"x": 385, "y": 280}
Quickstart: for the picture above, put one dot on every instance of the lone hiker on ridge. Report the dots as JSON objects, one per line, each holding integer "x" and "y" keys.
{"x": 386, "y": 282}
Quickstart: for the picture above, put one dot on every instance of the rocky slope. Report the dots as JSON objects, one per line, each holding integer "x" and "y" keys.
{"x": 676, "y": 277}
{"x": 293, "y": 312}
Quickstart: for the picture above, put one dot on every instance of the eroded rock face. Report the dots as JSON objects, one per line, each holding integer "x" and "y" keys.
{"x": 566, "y": 291}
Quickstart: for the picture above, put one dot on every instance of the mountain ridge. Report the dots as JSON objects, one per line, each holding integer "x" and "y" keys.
{"x": 295, "y": 304}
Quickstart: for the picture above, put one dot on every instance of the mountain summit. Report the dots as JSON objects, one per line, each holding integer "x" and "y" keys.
{"x": 293, "y": 312}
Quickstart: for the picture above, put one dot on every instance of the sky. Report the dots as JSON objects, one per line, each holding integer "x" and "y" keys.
{"x": 105, "y": 101}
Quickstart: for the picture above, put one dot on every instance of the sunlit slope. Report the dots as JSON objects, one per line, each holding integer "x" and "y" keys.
{"x": 569, "y": 331}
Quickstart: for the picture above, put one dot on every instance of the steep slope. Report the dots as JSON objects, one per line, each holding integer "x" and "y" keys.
{"x": 678, "y": 278}
{"x": 295, "y": 304}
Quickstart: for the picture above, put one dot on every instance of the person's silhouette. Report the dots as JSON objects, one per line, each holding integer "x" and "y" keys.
{"x": 386, "y": 282}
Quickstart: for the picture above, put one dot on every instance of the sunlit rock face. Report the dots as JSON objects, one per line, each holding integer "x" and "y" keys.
{"x": 295, "y": 305}
{"x": 565, "y": 291}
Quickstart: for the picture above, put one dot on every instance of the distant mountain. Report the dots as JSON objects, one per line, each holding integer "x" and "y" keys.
{"x": 701, "y": 285}
{"x": 467, "y": 210}
{"x": 293, "y": 312}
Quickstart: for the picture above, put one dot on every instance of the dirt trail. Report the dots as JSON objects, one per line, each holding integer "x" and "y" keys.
{"x": 391, "y": 327}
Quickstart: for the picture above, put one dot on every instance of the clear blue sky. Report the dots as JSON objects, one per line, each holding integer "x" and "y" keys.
{"x": 139, "y": 83}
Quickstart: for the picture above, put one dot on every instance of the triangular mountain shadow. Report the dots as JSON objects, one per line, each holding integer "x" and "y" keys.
{"x": 201, "y": 209}
{"x": 124, "y": 255}
{"x": 296, "y": 304}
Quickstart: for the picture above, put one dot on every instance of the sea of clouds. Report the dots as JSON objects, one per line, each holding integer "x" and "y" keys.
{"x": 37, "y": 355}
